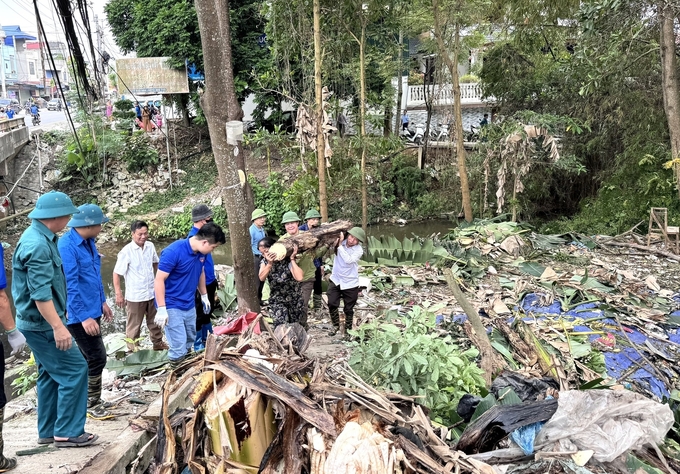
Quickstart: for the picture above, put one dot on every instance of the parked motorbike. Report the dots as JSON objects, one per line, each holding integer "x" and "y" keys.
{"x": 36, "y": 119}
{"x": 471, "y": 135}
{"x": 413, "y": 136}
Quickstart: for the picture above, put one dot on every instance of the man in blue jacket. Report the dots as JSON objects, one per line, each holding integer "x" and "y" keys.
{"x": 257, "y": 233}
{"x": 39, "y": 291}
{"x": 180, "y": 272}
{"x": 86, "y": 301}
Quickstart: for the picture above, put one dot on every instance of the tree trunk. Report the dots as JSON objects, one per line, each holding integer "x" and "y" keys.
{"x": 182, "y": 105}
{"x": 669, "y": 83}
{"x": 320, "y": 145}
{"x": 325, "y": 234}
{"x": 400, "y": 85}
{"x": 362, "y": 79}
{"x": 213, "y": 20}
{"x": 452, "y": 65}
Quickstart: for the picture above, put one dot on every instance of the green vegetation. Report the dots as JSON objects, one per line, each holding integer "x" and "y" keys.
{"x": 416, "y": 361}
{"x": 28, "y": 376}
{"x": 138, "y": 154}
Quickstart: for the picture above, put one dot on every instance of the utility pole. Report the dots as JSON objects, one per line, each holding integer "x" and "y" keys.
{"x": 99, "y": 61}
{"x": 41, "y": 34}
{"x": 2, "y": 62}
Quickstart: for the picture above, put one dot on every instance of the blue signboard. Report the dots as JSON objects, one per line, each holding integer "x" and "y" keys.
{"x": 193, "y": 73}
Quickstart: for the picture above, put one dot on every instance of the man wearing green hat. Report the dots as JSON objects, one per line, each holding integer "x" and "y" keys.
{"x": 312, "y": 220}
{"x": 86, "y": 302}
{"x": 39, "y": 291}
{"x": 291, "y": 222}
{"x": 344, "y": 282}
{"x": 257, "y": 233}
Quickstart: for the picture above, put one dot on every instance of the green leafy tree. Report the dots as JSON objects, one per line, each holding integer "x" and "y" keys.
{"x": 170, "y": 28}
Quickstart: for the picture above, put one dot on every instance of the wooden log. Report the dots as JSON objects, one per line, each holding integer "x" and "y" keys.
{"x": 326, "y": 234}
{"x": 644, "y": 248}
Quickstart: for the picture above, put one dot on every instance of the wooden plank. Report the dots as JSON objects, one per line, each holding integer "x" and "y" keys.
{"x": 125, "y": 449}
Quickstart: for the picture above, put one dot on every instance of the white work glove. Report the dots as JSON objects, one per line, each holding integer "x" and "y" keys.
{"x": 161, "y": 318}
{"x": 206, "y": 303}
{"x": 16, "y": 340}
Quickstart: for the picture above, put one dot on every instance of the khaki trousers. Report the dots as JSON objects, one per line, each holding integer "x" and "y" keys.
{"x": 136, "y": 312}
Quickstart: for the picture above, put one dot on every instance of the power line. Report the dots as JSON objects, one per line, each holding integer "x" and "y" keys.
{"x": 54, "y": 67}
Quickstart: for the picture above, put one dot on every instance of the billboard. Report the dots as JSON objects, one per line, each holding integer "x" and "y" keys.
{"x": 150, "y": 76}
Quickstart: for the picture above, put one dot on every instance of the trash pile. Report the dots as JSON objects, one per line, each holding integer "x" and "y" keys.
{"x": 259, "y": 405}
{"x": 585, "y": 378}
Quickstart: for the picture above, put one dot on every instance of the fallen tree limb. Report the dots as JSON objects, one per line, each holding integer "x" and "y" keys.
{"x": 325, "y": 234}
{"x": 490, "y": 362}
{"x": 663, "y": 253}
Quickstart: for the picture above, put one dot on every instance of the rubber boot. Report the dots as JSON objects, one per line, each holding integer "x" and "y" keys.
{"x": 94, "y": 391}
{"x": 348, "y": 325}
{"x": 6, "y": 464}
{"x": 318, "y": 303}
{"x": 335, "y": 319}
{"x": 199, "y": 345}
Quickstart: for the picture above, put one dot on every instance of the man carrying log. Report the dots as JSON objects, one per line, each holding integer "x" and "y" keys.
{"x": 291, "y": 222}
{"x": 344, "y": 282}
{"x": 312, "y": 221}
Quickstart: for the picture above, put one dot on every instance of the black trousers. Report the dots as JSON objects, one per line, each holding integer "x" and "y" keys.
{"x": 257, "y": 259}
{"x": 318, "y": 290}
{"x": 201, "y": 317}
{"x": 92, "y": 348}
{"x": 349, "y": 297}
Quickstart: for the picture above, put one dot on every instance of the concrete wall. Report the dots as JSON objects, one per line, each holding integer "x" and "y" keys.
{"x": 15, "y": 157}
{"x": 26, "y": 158}
{"x": 471, "y": 117}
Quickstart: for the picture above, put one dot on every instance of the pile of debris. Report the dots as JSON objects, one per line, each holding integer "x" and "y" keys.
{"x": 261, "y": 406}
{"x": 584, "y": 376}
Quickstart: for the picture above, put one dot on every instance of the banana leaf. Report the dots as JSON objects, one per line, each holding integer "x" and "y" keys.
{"x": 138, "y": 362}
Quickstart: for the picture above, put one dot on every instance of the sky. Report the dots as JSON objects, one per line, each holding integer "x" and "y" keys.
{"x": 21, "y": 12}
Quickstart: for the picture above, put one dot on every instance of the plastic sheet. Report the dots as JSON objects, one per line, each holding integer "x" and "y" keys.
{"x": 238, "y": 325}
{"x": 610, "y": 422}
{"x": 528, "y": 389}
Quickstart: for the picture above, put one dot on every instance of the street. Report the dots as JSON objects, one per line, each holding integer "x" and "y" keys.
{"x": 47, "y": 117}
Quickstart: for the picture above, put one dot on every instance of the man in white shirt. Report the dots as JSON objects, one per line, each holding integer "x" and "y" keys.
{"x": 344, "y": 282}
{"x": 137, "y": 263}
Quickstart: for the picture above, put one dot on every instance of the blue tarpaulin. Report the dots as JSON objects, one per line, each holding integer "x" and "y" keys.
{"x": 623, "y": 362}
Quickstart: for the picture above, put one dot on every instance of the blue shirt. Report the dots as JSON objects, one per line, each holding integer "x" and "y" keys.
{"x": 209, "y": 264}
{"x": 34, "y": 109}
{"x": 10, "y": 113}
{"x": 184, "y": 268}
{"x": 37, "y": 276}
{"x": 3, "y": 277}
{"x": 82, "y": 267}
{"x": 256, "y": 235}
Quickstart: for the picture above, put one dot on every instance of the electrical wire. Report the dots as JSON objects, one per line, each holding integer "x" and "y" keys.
{"x": 54, "y": 68}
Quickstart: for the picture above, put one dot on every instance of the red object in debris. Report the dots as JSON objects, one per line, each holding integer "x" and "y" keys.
{"x": 5, "y": 203}
{"x": 609, "y": 340}
{"x": 238, "y": 325}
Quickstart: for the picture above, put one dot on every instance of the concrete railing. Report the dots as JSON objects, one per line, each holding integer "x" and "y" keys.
{"x": 13, "y": 136}
{"x": 470, "y": 93}
{"x": 11, "y": 124}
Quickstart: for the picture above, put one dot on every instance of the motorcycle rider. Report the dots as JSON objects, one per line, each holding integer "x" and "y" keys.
{"x": 35, "y": 112}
